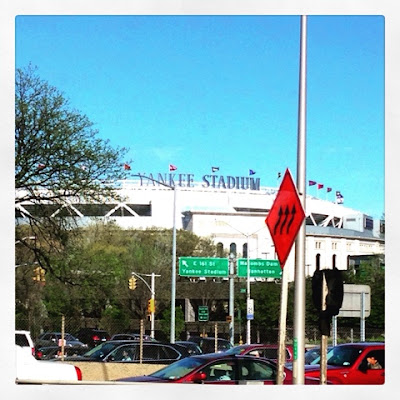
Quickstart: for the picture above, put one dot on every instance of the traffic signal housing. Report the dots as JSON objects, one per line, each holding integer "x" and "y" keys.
{"x": 39, "y": 275}
{"x": 151, "y": 307}
{"x": 333, "y": 299}
{"x": 132, "y": 283}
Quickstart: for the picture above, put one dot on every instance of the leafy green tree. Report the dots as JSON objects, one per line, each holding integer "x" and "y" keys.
{"x": 371, "y": 272}
{"x": 165, "y": 322}
{"x": 58, "y": 159}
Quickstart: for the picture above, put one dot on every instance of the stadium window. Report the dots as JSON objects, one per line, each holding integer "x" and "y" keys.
{"x": 334, "y": 261}
{"x": 232, "y": 248}
{"x": 317, "y": 245}
{"x": 318, "y": 262}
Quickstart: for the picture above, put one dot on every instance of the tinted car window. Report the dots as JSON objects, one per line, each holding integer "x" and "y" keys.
{"x": 21, "y": 340}
{"x": 256, "y": 370}
{"x": 220, "y": 371}
{"x": 170, "y": 353}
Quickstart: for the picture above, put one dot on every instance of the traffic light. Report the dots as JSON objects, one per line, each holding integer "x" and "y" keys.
{"x": 132, "y": 283}
{"x": 334, "y": 297}
{"x": 151, "y": 306}
{"x": 39, "y": 275}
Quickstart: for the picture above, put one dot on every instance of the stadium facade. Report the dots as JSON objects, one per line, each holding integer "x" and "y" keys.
{"x": 232, "y": 211}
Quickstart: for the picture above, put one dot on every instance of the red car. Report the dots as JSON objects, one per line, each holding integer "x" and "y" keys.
{"x": 351, "y": 364}
{"x": 261, "y": 350}
{"x": 219, "y": 368}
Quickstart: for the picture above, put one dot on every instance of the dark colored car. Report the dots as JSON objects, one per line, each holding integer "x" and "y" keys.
{"x": 349, "y": 364}
{"x": 192, "y": 347}
{"x": 51, "y": 339}
{"x": 131, "y": 336}
{"x": 92, "y": 336}
{"x": 220, "y": 369}
{"x": 129, "y": 351}
{"x": 207, "y": 344}
{"x": 262, "y": 350}
{"x": 50, "y": 352}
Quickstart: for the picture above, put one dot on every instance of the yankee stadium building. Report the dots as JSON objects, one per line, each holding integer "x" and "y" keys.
{"x": 231, "y": 210}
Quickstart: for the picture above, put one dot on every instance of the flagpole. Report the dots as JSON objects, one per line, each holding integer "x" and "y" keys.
{"x": 299, "y": 294}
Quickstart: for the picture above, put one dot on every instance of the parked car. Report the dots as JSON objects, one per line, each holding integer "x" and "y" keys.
{"x": 218, "y": 368}
{"x": 262, "y": 350}
{"x": 131, "y": 336}
{"x": 30, "y": 370}
{"x": 312, "y": 354}
{"x": 129, "y": 351}
{"x": 349, "y": 364}
{"x": 50, "y": 352}
{"x": 24, "y": 340}
{"x": 192, "y": 347}
{"x": 207, "y": 344}
{"x": 92, "y": 336}
{"x": 54, "y": 338}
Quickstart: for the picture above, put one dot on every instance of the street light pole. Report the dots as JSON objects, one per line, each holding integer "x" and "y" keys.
{"x": 152, "y": 289}
{"x": 248, "y": 326}
{"x": 173, "y": 267}
{"x": 231, "y": 298}
{"x": 173, "y": 271}
{"x": 248, "y": 335}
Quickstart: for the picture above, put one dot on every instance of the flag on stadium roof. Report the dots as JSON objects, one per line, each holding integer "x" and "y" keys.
{"x": 127, "y": 167}
{"x": 329, "y": 190}
{"x": 214, "y": 169}
{"x": 339, "y": 197}
{"x": 172, "y": 167}
{"x": 320, "y": 185}
{"x": 279, "y": 175}
{"x": 251, "y": 172}
{"x": 311, "y": 183}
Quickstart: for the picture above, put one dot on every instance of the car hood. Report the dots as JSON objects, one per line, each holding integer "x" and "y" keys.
{"x": 142, "y": 378}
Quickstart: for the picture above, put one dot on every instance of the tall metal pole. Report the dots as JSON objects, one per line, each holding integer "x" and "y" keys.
{"x": 248, "y": 333}
{"x": 300, "y": 286}
{"x": 173, "y": 271}
{"x": 153, "y": 295}
{"x": 324, "y": 338}
{"x": 232, "y": 298}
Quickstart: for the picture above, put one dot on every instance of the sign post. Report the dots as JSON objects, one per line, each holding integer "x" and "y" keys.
{"x": 284, "y": 221}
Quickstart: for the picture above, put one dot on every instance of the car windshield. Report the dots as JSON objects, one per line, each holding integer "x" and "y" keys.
{"x": 178, "y": 369}
{"x": 98, "y": 352}
{"x": 235, "y": 350}
{"x": 341, "y": 356}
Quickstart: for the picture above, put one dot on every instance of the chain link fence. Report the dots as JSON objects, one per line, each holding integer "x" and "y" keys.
{"x": 211, "y": 328}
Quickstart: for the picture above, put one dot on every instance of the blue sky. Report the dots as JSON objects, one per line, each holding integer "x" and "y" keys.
{"x": 204, "y": 91}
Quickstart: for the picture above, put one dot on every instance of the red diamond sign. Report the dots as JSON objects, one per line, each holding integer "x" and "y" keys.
{"x": 285, "y": 218}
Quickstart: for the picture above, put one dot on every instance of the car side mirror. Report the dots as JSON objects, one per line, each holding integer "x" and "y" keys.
{"x": 199, "y": 377}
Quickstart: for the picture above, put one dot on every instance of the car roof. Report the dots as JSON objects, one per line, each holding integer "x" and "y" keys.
{"x": 361, "y": 344}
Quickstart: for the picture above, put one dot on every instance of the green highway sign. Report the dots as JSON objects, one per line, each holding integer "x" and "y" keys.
{"x": 200, "y": 266}
{"x": 259, "y": 268}
{"x": 203, "y": 313}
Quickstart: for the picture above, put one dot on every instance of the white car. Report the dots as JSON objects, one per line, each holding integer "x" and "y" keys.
{"x": 30, "y": 370}
{"x": 23, "y": 339}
